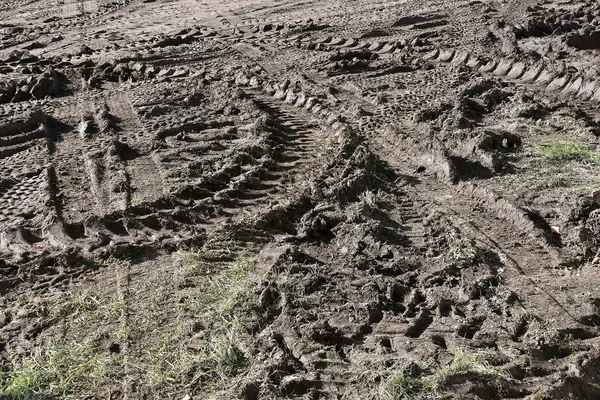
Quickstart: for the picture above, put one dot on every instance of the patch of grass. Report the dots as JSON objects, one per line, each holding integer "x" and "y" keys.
{"x": 571, "y": 151}
{"x": 405, "y": 385}
{"x": 464, "y": 362}
{"x": 569, "y": 342}
{"x": 223, "y": 355}
{"x": 462, "y": 249}
{"x": 83, "y": 308}
{"x": 168, "y": 362}
{"x": 402, "y": 386}
{"x": 207, "y": 299}
{"x": 500, "y": 297}
{"x": 61, "y": 371}
{"x": 190, "y": 266}
{"x": 73, "y": 304}
{"x": 214, "y": 296}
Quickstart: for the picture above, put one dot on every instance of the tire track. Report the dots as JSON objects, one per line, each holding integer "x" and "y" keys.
{"x": 551, "y": 79}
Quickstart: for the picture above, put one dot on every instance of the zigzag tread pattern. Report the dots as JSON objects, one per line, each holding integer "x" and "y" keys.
{"x": 554, "y": 80}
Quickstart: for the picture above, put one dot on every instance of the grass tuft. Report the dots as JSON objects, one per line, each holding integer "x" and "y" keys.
{"x": 223, "y": 356}
{"x": 73, "y": 304}
{"x": 462, "y": 250}
{"x": 402, "y": 386}
{"x": 214, "y": 296}
{"x": 571, "y": 151}
{"x": 210, "y": 296}
{"x": 464, "y": 362}
{"x": 184, "y": 334}
{"x": 61, "y": 371}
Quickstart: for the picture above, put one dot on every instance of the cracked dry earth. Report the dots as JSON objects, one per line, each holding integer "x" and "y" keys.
{"x": 284, "y": 199}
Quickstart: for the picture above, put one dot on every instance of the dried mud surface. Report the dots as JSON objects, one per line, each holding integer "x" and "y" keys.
{"x": 384, "y": 199}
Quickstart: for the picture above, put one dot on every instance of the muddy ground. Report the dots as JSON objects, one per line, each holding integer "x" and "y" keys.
{"x": 285, "y": 199}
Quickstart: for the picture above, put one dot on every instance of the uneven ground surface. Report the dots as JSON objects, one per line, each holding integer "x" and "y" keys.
{"x": 299, "y": 199}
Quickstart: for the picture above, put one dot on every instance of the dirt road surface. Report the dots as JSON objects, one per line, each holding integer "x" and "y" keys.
{"x": 266, "y": 199}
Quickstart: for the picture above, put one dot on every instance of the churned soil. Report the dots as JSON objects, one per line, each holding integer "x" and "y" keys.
{"x": 300, "y": 199}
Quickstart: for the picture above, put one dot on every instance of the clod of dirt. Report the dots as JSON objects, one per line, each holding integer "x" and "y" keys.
{"x": 436, "y": 159}
{"x": 489, "y": 148}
